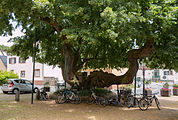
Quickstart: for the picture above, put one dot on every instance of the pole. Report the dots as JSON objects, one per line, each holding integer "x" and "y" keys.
{"x": 143, "y": 79}
{"x": 118, "y": 96}
{"x": 135, "y": 88}
{"x": 34, "y": 65}
{"x": 65, "y": 66}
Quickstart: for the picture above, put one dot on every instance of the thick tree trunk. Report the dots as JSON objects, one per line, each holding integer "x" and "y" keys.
{"x": 70, "y": 61}
{"x": 101, "y": 79}
{"x": 72, "y": 68}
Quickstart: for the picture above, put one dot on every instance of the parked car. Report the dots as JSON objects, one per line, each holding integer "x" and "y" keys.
{"x": 15, "y": 85}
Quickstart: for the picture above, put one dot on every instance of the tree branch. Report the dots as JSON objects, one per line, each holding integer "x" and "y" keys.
{"x": 53, "y": 24}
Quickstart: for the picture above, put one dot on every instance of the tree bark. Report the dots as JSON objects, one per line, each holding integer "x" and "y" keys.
{"x": 103, "y": 79}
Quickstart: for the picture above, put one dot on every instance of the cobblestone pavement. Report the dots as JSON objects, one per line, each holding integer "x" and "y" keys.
{"x": 49, "y": 110}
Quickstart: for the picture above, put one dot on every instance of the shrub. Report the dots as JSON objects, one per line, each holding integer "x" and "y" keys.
{"x": 101, "y": 91}
{"x": 46, "y": 84}
{"x": 6, "y": 75}
{"x": 84, "y": 92}
{"x": 175, "y": 85}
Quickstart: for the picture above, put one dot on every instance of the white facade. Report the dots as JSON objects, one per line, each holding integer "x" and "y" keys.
{"x": 51, "y": 71}
{"x": 164, "y": 75}
{"x": 25, "y": 70}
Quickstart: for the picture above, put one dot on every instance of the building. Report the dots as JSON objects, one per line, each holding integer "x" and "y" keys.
{"x": 43, "y": 73}
{"x": 3, "y": 61}
{"x": 158, "y": 75}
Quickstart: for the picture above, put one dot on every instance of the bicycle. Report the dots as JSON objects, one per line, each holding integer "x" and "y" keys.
{"x": 67, "y": 96}
{"x": 93, "y": 98}
{"x": 42, "y": 94}
{"x": 114, "y": 99}
{"x": 151, "y": 98}
{"x": 133, "y": 101}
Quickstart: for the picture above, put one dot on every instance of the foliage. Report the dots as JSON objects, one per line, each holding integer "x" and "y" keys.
{"x": 147, "y": 82}
{"x": 46, "y": 84}
{"x": 84, "y": 92}
{"x": 129, "y": 86}
{"x": 4, "y": 48}
{"x": 89, "y": 26}
{"x": 166, "y": 85}
{"x": 175, "y": 85}
{"x": 101, "y": 91}
{"x": 6, "y": 75}
{"x": 92, "y": 30}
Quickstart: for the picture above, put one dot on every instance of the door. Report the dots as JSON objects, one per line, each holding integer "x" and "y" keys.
{"x": 22, "y": 85}
{"x": 28, "y": 86}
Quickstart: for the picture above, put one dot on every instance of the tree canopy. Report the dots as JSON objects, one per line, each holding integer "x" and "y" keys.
{"x": 4, "y": 48}
{"x": 96, "y": 33}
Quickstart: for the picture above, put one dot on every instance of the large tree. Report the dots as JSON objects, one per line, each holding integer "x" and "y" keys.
{"x": 96, "y": 33}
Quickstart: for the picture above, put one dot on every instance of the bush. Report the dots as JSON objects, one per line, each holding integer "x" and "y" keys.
{"x": 6, "y": 75}
{"x": 84, "y": 92}
{"x": 175, "y": 85}
{"x": 101, "y": 91}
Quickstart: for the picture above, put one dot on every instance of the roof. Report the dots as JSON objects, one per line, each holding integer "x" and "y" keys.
{"x": 4, "y": 59}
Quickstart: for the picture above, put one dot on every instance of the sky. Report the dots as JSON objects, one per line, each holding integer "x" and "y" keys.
{"x": 4, "y": 40}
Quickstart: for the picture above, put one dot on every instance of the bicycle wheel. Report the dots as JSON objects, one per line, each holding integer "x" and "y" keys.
{"x": 60, "y": 99}
{"x": 42, "y": 96}
{"x": 143, "y": 104}
{"x": 102, "y": 101}
{"x": 76, "y": 99}
{"x": 129, "y": 102}
{"x": 90, "y": 100}
{"x": 157, "y": 104}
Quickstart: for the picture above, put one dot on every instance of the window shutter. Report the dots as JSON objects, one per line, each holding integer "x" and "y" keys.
{"x": 14, "y": 60}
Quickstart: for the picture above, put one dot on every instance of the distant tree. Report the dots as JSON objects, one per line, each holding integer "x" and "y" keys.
{"x": 6, "y": 75}
{"x": 4, "y": 48}
{"x": 96, "y": 33}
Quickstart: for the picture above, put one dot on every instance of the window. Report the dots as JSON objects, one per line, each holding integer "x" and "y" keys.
{"x": 21, "y": 60}
{"x": 12, "y": 60}
{"x": 22, "y": 74}
{"x": 156, "y": 73}
{"x": 28, "y": 82}
{"x": 37, "y": 72}
{"x": 166, "y": 72}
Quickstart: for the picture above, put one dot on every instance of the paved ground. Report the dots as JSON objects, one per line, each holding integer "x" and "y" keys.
{"x": 49, "y": 110}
